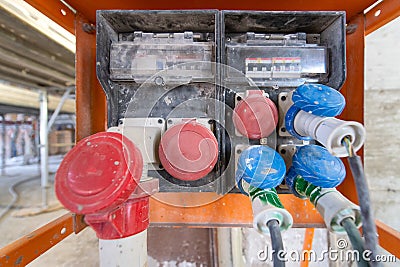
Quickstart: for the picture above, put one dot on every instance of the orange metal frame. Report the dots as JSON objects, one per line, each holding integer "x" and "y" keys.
{"x": 381, "y": 14}
{"x": 232, "y": 209}
{"x": 31, "y": 246}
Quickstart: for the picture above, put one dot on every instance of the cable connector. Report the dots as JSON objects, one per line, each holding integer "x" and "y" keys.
{"x": 334, "y": 208}
{"x": 260, "y": 169}
{"x": 267, "y": 206}
{"x": 330, "y": 203}
{"x": 330, "y": 132}
{"x": 312, "y": 117}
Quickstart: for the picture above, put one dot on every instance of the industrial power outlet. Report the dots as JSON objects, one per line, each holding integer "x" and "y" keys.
{"x": 162, "y": 70}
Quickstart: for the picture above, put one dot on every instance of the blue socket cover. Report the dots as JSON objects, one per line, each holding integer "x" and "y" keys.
{"x": 290, "y": 180}
{"x": 289, "y": 123}
{"x": 318, "y": 99}
{"x": 317, "y": 166}
{"x": 261, "y": 167}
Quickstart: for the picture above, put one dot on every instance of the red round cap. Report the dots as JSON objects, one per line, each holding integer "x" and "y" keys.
{"x": 99, "y": 173}
{"x": 188, "y": 151}
{"x": 256, "y": 116}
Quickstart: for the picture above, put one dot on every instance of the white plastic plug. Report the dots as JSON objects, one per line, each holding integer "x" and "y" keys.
{"x": 330, "y": 132}
{"x": 334, "y": 207}
{"x": 263, "y": 213}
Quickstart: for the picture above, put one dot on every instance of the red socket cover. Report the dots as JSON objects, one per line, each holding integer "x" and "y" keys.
{"x": 99, "y": 173}
{"x": 256, "y": 116}
{"x": 188, "y": 151}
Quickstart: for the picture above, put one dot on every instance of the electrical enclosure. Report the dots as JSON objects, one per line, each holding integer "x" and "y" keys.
{"x": 162, "y": 68}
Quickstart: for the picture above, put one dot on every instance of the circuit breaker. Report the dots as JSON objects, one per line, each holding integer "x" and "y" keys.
{"x": 180, "y": 84}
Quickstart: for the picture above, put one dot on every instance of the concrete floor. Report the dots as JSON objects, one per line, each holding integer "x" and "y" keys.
{"x": 75, "y": 250}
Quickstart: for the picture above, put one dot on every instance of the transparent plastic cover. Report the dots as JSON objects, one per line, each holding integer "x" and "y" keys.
{"x": 146, "y": 56}
{"x": 281, "y": 65}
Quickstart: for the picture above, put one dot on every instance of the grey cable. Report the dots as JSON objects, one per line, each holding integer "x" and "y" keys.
{"x": 369, "y": 228}
{"x": 14, "y": 194}
{"x": 277, "y": 243}
{"x": 355, "y": 239}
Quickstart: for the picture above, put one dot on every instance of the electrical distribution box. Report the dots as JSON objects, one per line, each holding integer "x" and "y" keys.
{"x": 160, "y": 69}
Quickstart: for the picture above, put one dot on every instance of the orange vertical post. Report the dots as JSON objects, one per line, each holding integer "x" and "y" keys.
{"x": 307, "y": 247}
{"x": 90, "y": 98}
{"x": 353, "y": 89}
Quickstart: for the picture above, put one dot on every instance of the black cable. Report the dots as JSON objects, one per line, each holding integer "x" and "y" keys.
{"x": 355, "y": 239}
{"x": 277, "y": 243}
{"x": 369, "y": 228}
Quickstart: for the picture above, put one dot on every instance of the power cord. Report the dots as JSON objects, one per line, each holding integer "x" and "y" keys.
{"x": 369, "y": 228}
{"x": 277, "y": 243}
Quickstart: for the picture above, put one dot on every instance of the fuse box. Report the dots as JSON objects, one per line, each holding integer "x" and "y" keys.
{"x": 190, "y": 69}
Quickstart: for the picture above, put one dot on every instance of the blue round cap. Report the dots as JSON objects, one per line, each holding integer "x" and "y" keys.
{"x": 318, "y": 99}
{"x": 289, "y": 123}
{"x": 239, "y": 184}
{"x": 290, "y": 179}
{"x": 317, "y": 166}
{"x": 261, "y": 167}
